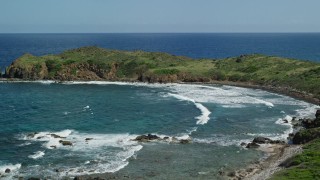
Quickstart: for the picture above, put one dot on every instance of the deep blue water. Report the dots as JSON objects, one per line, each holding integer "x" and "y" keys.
{"x": 304, "y": 46}
{"x": 216, "y": 118}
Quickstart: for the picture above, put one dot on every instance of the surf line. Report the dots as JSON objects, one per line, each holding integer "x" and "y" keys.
{"x": 204, "y": 117}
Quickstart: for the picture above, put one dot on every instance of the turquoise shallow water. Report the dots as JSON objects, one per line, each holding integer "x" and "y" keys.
{"x": 216, "y": 118}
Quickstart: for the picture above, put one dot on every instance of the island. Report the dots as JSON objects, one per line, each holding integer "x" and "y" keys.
{"x": 295, "y": 78}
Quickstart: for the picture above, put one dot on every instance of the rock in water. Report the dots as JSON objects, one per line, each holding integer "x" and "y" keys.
{"x": 243, "y": 144}
{"x": 146, "y": 138}
{"x": 56, "y": 136}
{"x": 253, "y": 145}
{"x": 184, "y": 141}
{"x": 31, "y": 135}
{"x": 7, "y": 170}
{"x": 318, "y": 114}
{"x": 153, "y": 137}
{"x": 261, "y": 140}
{"x": 65, "y": 143}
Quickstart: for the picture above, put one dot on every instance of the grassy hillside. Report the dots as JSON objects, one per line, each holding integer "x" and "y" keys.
{"x": 92, "y": 63}
{"x": 303, "y": 166}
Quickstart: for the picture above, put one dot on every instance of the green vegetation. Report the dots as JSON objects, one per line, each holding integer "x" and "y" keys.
{"x": 303, "y": 166}
{"x": 93, "y": 63}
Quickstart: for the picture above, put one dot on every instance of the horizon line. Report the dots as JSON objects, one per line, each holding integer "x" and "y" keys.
{"x": 275, "y": 32}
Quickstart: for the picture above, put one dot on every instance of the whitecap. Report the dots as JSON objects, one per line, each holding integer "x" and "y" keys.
{"x": 204, "y": 117}
{"x": 37, "y": 155}
{"x": 91, "y": 146}
{"x": 12, "y": 167}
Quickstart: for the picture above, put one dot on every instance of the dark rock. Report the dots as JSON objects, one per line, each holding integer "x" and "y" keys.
{"x": 184, "y": 141}
{"x": 31, "y": 135}
{"x": 88, "y": 139}
{"x": 53, "y": 146}
{"x": 232, "y": 174}
{"x": 318, "y": 114}
{"x": 7, "y": 170}
{"x": 243, "y": 144}
{"x": 310, "y": 123}
{"x": 34, "y": 178}
{"x": 306, "y": 135}
{"x": 146, "y": 138}
{"x": 285, "y": 121}
{"x": 277, "y": 142}
{"x": 221, "y": 173}
{"x": 56, "y": 136}
{"x": 261, "y": 140}
{"x": 153, "y": 137}
{"x": 65, "y": 143}
{"x": 252, "y": 145}
{"x": 166, "y": 138}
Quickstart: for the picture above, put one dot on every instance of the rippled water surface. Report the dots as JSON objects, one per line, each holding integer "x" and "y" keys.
{"x": 216, "y": 118}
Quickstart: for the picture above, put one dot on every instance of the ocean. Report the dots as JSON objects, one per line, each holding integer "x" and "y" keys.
{"x": 101, "y": 119}
{"x": 305, "y": 46}
{"x": 216, "y": 118}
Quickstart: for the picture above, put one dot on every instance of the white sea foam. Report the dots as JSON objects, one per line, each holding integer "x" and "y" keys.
{"x": 222, "y": 141}
{"x": 204, "y": 117}
{"x": 194, "y": 129}
{"x": 25, "y": 144}
{"x": 37, "y": 155}
{"x": 92, "y": 146}
{"x": 12, "y": 167}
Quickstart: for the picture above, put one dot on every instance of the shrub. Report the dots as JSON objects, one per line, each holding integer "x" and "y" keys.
{"x": 53, "y": 66}
{"x": 234, "y": 77}
{"x": 219, "y": 75}
{"x": 166, "y": 71}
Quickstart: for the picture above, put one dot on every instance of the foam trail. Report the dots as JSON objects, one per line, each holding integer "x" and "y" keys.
{"x": 204, "y": 117}
{"x": 89, "y": 146}
{"x": 37, "y": 155}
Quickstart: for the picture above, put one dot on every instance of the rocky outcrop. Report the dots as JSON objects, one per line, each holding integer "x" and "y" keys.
{"x": 264, "y": 140}
{"x": 252, "y": 145}
{"x": 306, "y": 135}
{"x": 146, "y": 138}
{"x": 152, "y": 137}
{"x": 318, "y": 114}
{"x": 57, "y": 136}
{"x": 261, "y": 140}
{"x": 310, "y": 131}
{"x": 65, "y": 143}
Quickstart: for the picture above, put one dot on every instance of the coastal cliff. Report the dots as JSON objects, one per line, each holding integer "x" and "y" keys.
{"x": 287, "y": 76}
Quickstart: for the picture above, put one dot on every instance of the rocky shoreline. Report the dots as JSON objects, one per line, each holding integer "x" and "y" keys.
{"x": 278, "y": 153}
